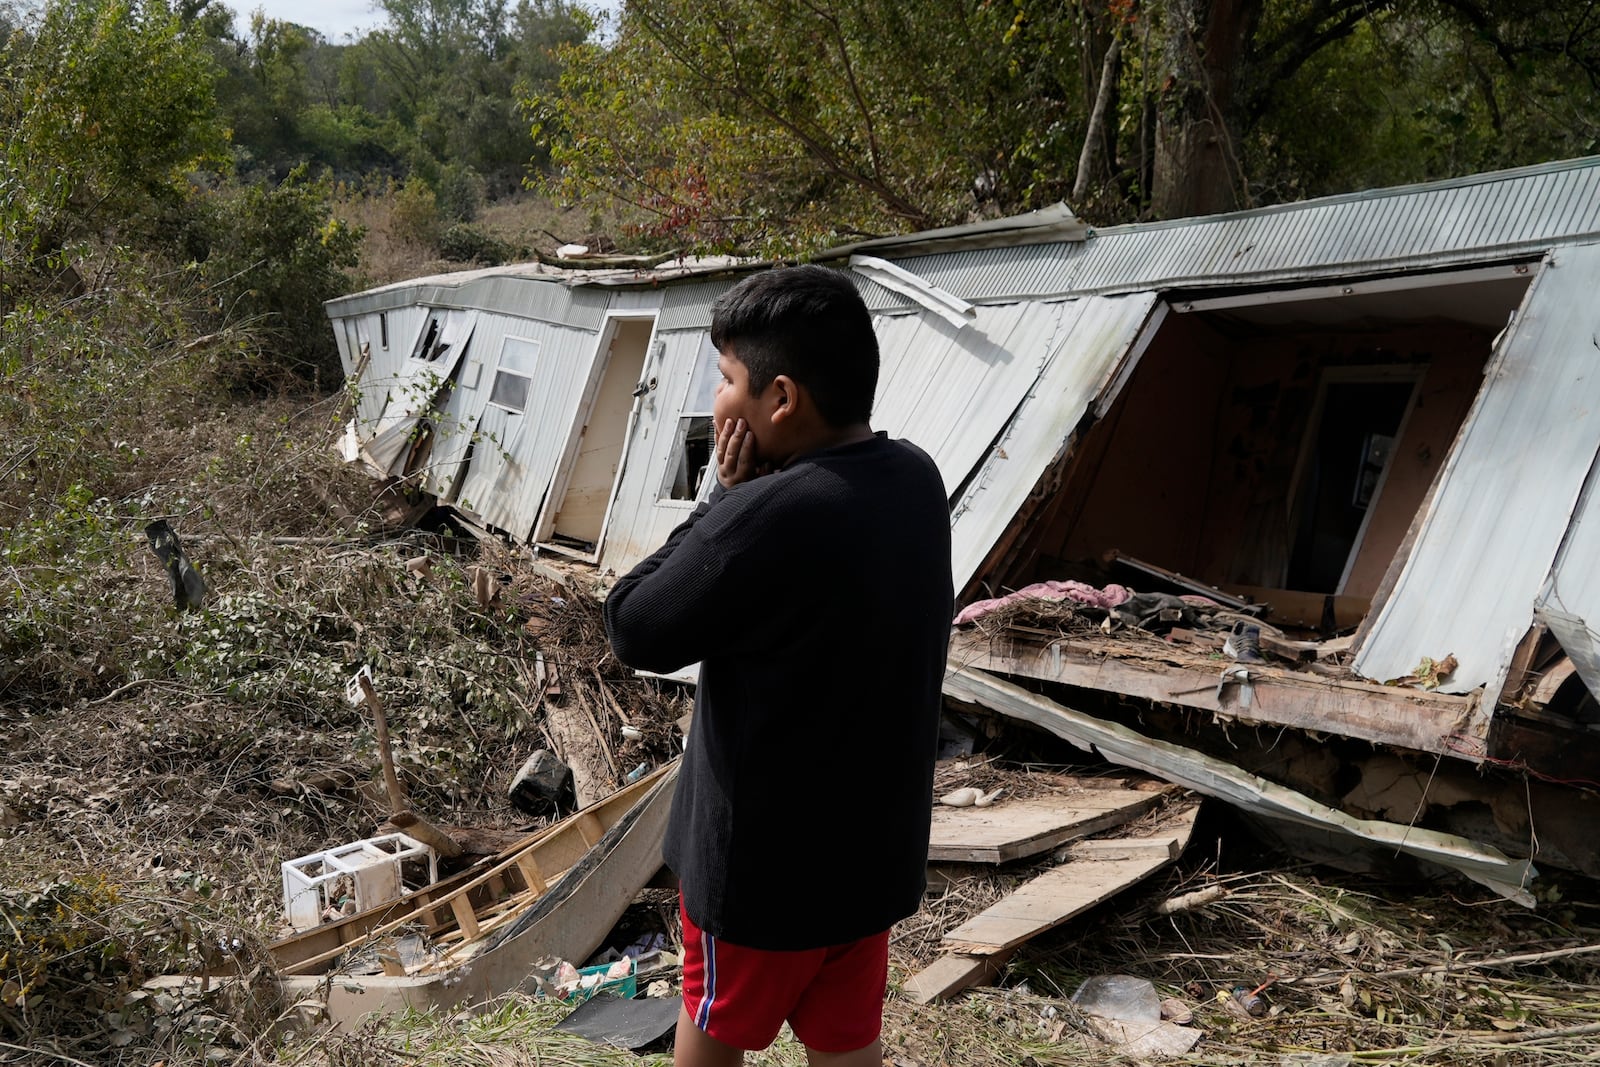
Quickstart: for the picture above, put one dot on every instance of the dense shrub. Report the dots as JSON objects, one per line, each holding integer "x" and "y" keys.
{"x": 272, "y": 254}
{"x": 468, "y": 244}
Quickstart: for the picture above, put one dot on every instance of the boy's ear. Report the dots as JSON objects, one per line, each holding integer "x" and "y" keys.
{"x": 786, "y": 398}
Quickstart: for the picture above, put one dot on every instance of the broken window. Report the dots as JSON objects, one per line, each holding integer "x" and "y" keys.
{"x": 691, "y": 451}
{"x": 513, "y": 378}
{"x": 432, "y": 345}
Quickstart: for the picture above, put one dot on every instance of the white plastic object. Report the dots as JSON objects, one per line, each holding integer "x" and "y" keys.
{"x": 374, "y": 867}
{"x": 352, "y": 689}
{"x": 1119, "y": 996}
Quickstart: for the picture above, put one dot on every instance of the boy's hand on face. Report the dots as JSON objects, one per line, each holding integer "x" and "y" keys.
{"x": 736, "y": 454}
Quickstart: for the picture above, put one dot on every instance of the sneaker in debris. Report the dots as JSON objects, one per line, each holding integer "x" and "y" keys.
{"x": 1244, "y": 643}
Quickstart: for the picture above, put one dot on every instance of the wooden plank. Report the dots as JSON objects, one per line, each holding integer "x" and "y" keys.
{"x": 531, "y": 873}
{"x": 1090, "y": 875}
{"x": 950, "y": 974}
{"x": 466, "y": 918}
{"x": 1013, "y": 829}
{"x": 1408, "y": 718}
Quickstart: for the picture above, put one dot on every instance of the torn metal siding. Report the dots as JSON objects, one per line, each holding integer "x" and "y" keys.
{"x": 1570, "y": 602}
{"x": 1095, "y": 335}
{"x": 505, "y": 484}
{"x": 384, "y": 365}
{"x": 1507, "y": 495}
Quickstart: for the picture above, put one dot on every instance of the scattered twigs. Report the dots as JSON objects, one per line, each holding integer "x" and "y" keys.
{"x": 1455, "y": 965}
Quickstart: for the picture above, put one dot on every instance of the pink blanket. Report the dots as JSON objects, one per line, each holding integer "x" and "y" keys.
{"x": 1107, "y": 598}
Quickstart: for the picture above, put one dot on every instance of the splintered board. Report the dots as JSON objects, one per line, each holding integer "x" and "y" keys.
{"x": 1012, "y": 829}
{"x": 1094, "y": 871}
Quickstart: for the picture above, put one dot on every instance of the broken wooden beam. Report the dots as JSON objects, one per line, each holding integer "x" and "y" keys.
{"x": 1218, "y": 778}
{"x": 1013, "y": 829}
{"x": 1544, "y": 690}
{"x": 1407, "y": 718}
{"x": 952, "y": 974}
{"x": 400, "y": 812}
{"x": 1094, "y": 872}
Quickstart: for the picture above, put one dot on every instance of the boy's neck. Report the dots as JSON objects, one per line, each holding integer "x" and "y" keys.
{"x": 828, "y": 437}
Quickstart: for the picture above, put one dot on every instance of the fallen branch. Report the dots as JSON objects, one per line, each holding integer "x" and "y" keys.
{"x": 1187, "y": 901}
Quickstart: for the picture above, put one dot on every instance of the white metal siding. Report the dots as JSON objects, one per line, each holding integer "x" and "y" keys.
{"x": 951, "y": 391}
{"x": 1507, "y": 493}
{"x": 1570, "y": 603}
{"x": 1096, "y": 333}
{"x": 385, "y": 368}
{"x": 507, "y": 491}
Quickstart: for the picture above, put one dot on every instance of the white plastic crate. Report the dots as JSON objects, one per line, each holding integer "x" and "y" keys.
{"x": 374, "y": 870}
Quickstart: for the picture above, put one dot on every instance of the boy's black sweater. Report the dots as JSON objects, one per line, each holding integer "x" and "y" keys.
{"x": 818, "y": 602}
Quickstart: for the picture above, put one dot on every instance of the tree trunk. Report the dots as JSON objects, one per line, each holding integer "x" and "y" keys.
{"x": 1092, "y": 140}
{"x": 1197, "y": 168}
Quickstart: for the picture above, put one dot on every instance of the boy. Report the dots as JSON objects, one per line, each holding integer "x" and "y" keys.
{"x": 814, "y": 588}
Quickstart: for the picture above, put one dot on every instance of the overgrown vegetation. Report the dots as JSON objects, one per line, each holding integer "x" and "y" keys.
{"x": 175, "y": 204}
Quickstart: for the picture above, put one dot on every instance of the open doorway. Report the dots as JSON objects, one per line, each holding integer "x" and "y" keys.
{"x": 1349, "y": 445}
{"x": 575, "y": 515}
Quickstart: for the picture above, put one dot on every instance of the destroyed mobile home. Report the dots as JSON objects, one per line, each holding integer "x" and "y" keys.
{"x": 1285, "y": 506}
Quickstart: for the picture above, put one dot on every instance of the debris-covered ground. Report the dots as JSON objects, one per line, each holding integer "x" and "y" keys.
{"x": 160, "y": 765}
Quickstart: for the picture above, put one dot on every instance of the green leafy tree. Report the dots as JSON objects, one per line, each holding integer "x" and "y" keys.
{"x": 738, "y": 124}
{"x": 106, "y": 107}
{"x": 271, "y": 254}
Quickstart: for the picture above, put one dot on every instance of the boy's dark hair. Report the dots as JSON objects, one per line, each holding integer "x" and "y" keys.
{"x": 809, "y": 323}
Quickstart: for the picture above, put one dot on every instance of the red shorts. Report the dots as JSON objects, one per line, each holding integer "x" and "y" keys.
{"x": 831, "y": 997}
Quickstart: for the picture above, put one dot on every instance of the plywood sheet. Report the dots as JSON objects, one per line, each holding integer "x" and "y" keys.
{"x": 1095, "y": 871}
{"x": 1012, "y": 829}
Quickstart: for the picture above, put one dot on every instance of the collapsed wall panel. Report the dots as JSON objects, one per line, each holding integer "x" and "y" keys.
{"x": 950, "y": 390}
{"x": 1506, "y": 496}
{"x": 1569, "y": 605}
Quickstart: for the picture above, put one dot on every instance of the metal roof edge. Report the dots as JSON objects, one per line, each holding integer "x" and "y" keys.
{"x": 1047, "y": 224}
{"x": 1380, "y": 193}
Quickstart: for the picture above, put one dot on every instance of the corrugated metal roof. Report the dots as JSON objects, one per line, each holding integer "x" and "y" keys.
{"x": 1468, "y": 220}
{"x": 1477, "y": 219}
{"x": 1465, "y": 220}
{"x": 1506, "y": 497}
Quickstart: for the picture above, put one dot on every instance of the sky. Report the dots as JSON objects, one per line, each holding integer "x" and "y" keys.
{"x": 337, "y": 20}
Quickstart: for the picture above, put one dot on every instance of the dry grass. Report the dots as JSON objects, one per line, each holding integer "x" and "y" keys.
{"x": 522, "y": 220}
{"x": 1423, "y": 986}
{"x": 158, "y": 770}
